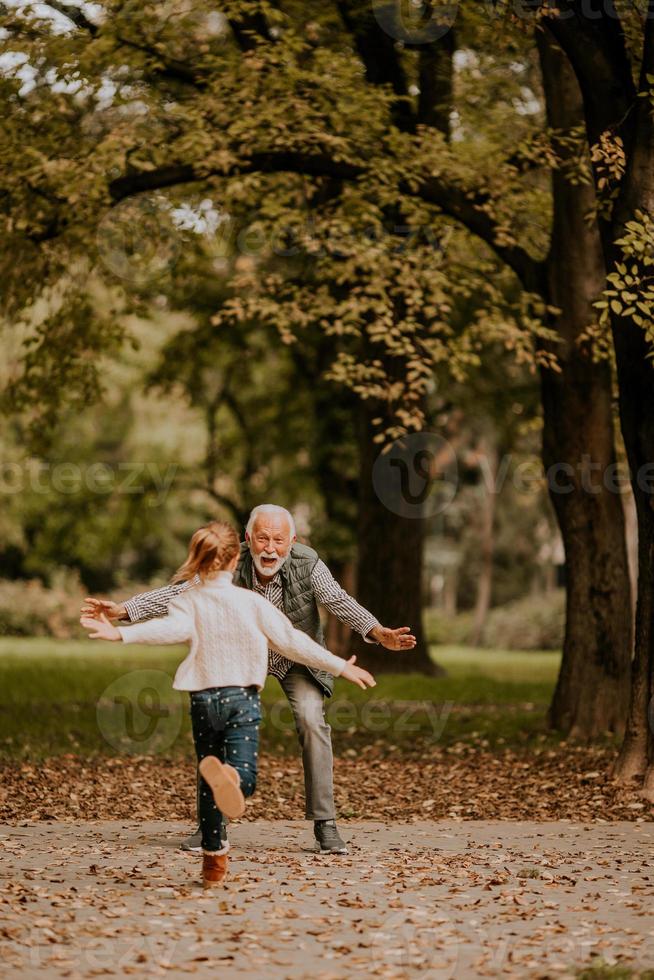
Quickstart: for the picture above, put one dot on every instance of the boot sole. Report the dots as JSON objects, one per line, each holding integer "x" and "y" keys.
{"x": 227, "y": 794}
{"x": 208, "y": 883}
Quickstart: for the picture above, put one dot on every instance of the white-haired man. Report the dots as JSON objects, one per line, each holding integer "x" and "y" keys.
{"x": 293, "y": 577}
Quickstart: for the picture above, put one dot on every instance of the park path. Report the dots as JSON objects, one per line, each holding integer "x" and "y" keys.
{"x": 433, "y": 900}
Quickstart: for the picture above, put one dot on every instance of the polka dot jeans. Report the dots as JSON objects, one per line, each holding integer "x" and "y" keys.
{"x": 225, "y": 723}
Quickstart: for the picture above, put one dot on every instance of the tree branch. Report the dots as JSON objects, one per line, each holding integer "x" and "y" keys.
{"x": 469, "y": 209}
{"x": 75, "y": 16}
{"x": 173, "y": 69}
{"x": 177, "y": 71}
{"x": 464, "y": 206}
{"x": 435, "y": 81}
{"x": 248, "y": 31}
{"x": 313, "y": 165}
{"x": 380, "y": 57}
{"x": 226, "y": 502}
{"x": 596, "y": 49}
{"x": 637, "y": 191}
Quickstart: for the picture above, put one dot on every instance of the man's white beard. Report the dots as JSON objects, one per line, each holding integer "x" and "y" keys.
{"x": 268, "y": 570}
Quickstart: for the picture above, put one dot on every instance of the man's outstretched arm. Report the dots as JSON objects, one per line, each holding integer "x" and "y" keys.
{"x": 145, "y": 605}
{"x": 339, "y": 602}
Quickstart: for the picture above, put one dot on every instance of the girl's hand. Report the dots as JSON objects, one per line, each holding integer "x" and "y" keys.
{"x": 102, "y": 628}
{"x": 358, "y": 675}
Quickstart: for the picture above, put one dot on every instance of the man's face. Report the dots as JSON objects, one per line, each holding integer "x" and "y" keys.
{"x": 270, "y": 543}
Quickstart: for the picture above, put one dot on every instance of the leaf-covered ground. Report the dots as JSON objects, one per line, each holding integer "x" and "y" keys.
{"x": 436, "y": 900}
{"x": 553, "y": 783}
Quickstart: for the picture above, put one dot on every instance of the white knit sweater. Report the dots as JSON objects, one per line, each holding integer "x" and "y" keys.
{"x": 229, "y": 630}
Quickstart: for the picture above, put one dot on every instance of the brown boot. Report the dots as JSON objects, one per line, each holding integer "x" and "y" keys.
{"x": 226, "y": 791}
{"x": 233, "y": 774}
{"x": 214, "y": 868}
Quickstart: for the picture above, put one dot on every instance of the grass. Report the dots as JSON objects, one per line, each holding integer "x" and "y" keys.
{"x": 83, "y": 697}
{"x": 600, "y": 970}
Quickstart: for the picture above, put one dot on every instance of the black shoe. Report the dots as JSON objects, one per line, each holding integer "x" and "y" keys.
{"x": 194, "y": 842}
{"x": 328, "y": 837}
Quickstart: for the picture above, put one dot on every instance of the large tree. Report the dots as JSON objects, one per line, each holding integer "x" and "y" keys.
{"x": 613, "y": 59}
{"x": 592, "y": 690}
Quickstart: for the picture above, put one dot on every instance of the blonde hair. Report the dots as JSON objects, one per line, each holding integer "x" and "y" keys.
{"x": 211, "y": 549}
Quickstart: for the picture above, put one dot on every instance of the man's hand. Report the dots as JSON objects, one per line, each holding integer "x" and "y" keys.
{"x": 399, "y": 639}
{"x": 101, "y": 628}
{"x": 96, "y": 608}
{"x": 358, "y": 675}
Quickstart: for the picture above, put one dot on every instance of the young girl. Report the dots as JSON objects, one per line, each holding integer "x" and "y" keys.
{"x": 229, "y": 630}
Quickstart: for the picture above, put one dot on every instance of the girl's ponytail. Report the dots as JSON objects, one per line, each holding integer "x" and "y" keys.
{"x": 212, "y": 548}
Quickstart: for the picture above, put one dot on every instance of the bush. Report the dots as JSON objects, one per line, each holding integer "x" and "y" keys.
{"x": 532, "y": 623}
{"x": 447, "y": 630}
{"x": 29, "y": 608}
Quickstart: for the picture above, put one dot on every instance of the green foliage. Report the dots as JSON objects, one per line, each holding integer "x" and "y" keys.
{"x": 609, "y": 162}
{"x": 530, "y": 624}
{"x": 281, "y": 127}
{"x": 631, "y": 285}
{"x": 600, "y": 969}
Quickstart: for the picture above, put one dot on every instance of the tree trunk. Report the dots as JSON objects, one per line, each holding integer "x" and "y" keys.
{"x": 486, "y": 544}
{"x": 633, "y": 352}
{"x": 631, "y": 534}
{"x": 636, "y": 756}
{"x": 592, "y": 690}
{"x": 337, "y": 634}
{"x": 636, "y": 382}
{"x": 390, "y": 564}
{"x": 613, "y": 108}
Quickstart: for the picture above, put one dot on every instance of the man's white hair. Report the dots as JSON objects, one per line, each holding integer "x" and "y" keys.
{"x": 269, "y": 509}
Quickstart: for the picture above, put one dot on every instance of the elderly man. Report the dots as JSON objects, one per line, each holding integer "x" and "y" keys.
{"x": 293, "y": 578}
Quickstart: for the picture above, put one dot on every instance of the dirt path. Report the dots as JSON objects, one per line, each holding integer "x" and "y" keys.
{"x": 430, "y": 900}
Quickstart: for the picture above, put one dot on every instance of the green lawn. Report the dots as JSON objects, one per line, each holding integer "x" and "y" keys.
{"x": 83, "y": 697}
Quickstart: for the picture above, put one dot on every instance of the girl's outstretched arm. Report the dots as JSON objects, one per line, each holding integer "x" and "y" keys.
{"x": 296, "y": 645}
{"x": 176, "y": 627}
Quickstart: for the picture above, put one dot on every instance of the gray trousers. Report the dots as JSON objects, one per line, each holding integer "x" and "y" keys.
{"x": 307, "y": 702}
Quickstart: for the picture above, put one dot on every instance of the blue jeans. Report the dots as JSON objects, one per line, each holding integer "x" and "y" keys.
{"x": 225, "y": 723}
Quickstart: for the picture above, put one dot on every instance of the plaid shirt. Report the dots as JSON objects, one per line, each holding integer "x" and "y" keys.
{"x": 326, "y": 590}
